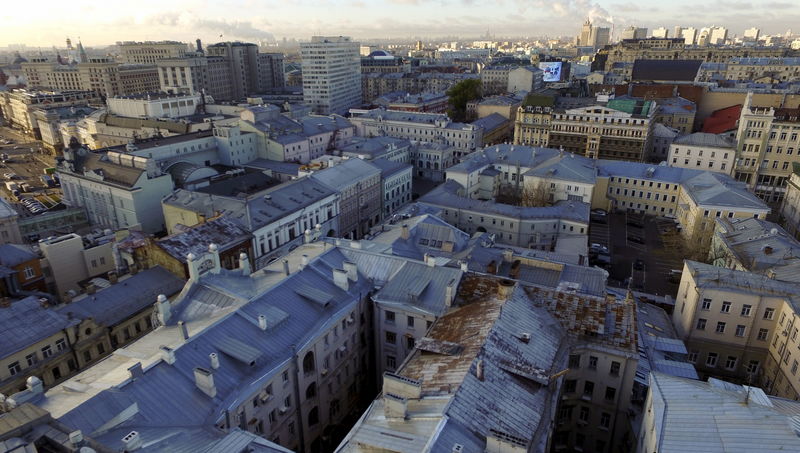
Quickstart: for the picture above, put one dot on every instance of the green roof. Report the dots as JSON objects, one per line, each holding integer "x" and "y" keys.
{"x": 539, "y": 100}
{"x": 632, "y": 106}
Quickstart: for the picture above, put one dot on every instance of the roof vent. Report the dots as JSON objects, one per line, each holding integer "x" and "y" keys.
{"x": 262, "y": 322}
{"x": 132, "y": 441}
{"x": 458, "y": 448}
{"x": 525, "y": 337}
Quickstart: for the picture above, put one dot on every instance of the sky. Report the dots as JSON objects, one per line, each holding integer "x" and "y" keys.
{"x": 99, "y": 23}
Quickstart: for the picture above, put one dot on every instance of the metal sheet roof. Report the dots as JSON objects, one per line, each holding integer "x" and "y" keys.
{"x": 26, "y": 322}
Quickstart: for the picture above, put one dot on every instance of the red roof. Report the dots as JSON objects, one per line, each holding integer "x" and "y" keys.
{"x": 722, "y": 120}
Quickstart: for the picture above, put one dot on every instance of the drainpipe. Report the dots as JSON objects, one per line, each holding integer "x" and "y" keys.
{"x": 296, "y": 372}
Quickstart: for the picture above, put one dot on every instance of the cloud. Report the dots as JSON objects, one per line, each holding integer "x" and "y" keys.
{"x": 779, "y": 5}
{"x": 234, "y": 29}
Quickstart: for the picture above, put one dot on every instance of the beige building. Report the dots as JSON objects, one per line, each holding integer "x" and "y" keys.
{"x": 768, "y": 144}
{"x": 703, "y": 151}
{"x": 101, "y": 75}
{"x": 19, "y": 106}
{"x": 148, "y": 52}
{"x": 740, "y": 326}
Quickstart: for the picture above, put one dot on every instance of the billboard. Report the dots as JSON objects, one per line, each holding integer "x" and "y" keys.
{"x": 552, "y": 71}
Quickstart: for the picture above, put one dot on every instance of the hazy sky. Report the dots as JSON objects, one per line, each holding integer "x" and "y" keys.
{"x": 49, "y": 22}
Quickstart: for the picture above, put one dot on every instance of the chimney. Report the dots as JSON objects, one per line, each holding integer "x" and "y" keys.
{"x": 204, "y": 380}
{"x": 286, "y": 266}
{"x": 352, "y": 270}
{"x": 91, "y": 289}
{"x": 303, "y": 262}
{"x": 34, "y": 385}
{"x": 262, "y": 322}
{"x": 449, "y": 293}
{"x": 214, "y": 358}
{"x": 132, "y": 441}
{"x": 194, "y": 272}
{"x": 307, "y": 237}
{"x": 505, "y": 287}
{"x": 508, "y": 254}
{"x": 136, "y": 370}
{"x": 167, "y": 354}
{"x": 340, "y": 279}
{"x": 164, "y": 309}
{"x": 244, "y": 264}
{"x": 394, "y": 406}
{"x": 355, "y": 245}
{"x": 430, "y": 260}
{"x": 184, "y": 330}
{"x": 479, "y": 369}
{"x": 213, "y": 249}
{"x": 76, "y": 439}
{"x": 404, "y": 231}
{"x": 464, "y": 266}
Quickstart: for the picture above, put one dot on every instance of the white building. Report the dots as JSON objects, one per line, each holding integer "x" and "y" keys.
{"x": 703, "y": 151}
{"x": 71, "y": 261}
{"x": 396, "y": 181}
{"x": 154, "y": 105}
{"x": 331, "y": 74}
{"x": 418, "y": 127}
{"x": 660, "y": 32}
{"x": 117, "y": 190}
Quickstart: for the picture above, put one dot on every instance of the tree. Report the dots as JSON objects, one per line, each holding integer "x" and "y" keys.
{"x": 536, "y": 195}
{"x": 459, "y": 95}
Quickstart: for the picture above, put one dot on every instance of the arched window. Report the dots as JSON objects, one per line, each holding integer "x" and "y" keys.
{"x": 308, "y": 362}
{"x": 311, "y": 390}
{"x": 313, "y": 416}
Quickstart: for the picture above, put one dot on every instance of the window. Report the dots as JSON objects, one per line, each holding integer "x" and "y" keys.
{"x": 389, "y": 317}
{"x": 87, "y": 355}
{"x": 588, "y": 388}
{"x": 706, "y": 304}
{"x": 769, "y": 313}
{"x": 605, "y": 420}
{"x": 31, "y": 359}
{"x": 391, "y": 361}
{"x": 410, "y": 342}
{"x": 592, "y": 362}
{"x": 313, "y": 416}
{"x": 611, "y": 392}
{"x": 746, "y": 310}
{"x": 285, "y": 377}
{"x": 711, "y": 359}
{"x": 570, "y": 385}
{"x": 584, "y": 414}
{"x": 740, "y": 330}
{"x": 701, "y": 324}
{"x": 287, "y": 401}
{"x": 720, "y": 327}
{"x": 730, "y": 363}
{"x": 794, "y": 367}
{"x": 762, "y": 334}
{"x": 410, "y": 321}
{"x": 574, "y": 361}
{"x": 726, "y": 307}
{"x": 692, "y": 356}
{"x": 391, "y": 338}
{"x": 14, "y": 368}
{"x": 101, "y": 349}
{"x": 61, "y": 344}
{"x": 29, "y": 273}
{"x": 614, "y": 368}
{"x": 47, "y": 351}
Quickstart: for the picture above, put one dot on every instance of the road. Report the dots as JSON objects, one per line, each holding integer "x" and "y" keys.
{"x": 27, "y": 163}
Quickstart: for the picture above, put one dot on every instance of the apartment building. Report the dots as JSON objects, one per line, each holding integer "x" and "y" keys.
{"x": 153, "y": 105}
{"x": 149, "y": 52}
{"x": 331, "y": 74}
{"x": 195, "y": 75}
{"x": 494, "y": 79}
{"x": 768, "y": 143}
{"x": 699, "y": 425}
{"x": 279, "y": 218}
{"x": 101, "y": 75}
{"x": 358, "y": 184}
{"x": 19, "y": 106}
{"x": 420, "y": 127}
{"x": 52, "y": 343}
{"x": 430, "y": 160}
{"x": 628, "y": 51}
{"x": 753, "y": 318}
{"x": 375, "y": 85}
{"x": 703, "y": 151}
{"x": 752, "y": 69}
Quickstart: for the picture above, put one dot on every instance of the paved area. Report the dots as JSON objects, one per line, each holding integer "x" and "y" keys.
{"x": 626, "y": 233}
{"x": 28, "y": 164}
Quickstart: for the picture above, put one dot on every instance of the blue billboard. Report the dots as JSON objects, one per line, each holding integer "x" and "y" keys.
{"x": 551, "y": 70}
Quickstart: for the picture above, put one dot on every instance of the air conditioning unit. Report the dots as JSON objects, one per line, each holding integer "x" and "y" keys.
{"x": 283, "y": 409}
{"x": 324, "y": 371}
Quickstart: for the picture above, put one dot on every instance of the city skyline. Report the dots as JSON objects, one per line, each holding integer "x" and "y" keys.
{"x": 247, "y": 20}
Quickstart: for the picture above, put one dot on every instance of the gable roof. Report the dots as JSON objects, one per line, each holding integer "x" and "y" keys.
{"x": 27, "y": 322}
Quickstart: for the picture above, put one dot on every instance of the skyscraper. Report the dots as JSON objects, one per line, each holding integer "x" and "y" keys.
{"x": 752, "y": 34}
{"x": 586, "y": 33}
{"x": 331, "y": 74}
{"x": 661, "y": 32}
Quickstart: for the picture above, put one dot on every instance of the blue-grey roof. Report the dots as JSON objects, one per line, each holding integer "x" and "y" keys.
{"x": 345, "y": 174}
{"x": 6, "y": 211}
{"x": 418, "y": 285}
{"x": 122, "y": 300}
{"x": 524, "y": 156}
{"x": 705, "y": 139}
{"x": 491, "y": 122}
{"x": 660, "y": 349}
{"x": 318, "y": 124}
{"x": 374, "y": 146}
{"x": 166, "y": 394}
{"x": 12, "y": 255}
{"x": 446, "y": 195}
{"x": 389, "y": 167}
{"x": 427, "y": 236}
{"x": 287, "y": 168}
{"x": 568, "y": 167}
{"x": 27, "y": 322}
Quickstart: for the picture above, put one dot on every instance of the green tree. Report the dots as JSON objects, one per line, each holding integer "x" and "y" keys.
{"x": 460, "y": 94}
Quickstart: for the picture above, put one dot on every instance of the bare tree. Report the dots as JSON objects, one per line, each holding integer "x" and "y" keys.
{"x": 536, "y": 195}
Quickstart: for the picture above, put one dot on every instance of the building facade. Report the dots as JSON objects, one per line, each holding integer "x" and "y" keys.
{"x": 703, "y": 151}
{"x": 331, "y": 74}
{"x": 148, "y": 52}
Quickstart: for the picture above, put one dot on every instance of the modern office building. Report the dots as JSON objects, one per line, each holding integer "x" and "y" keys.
{"x": 331, "y": 74}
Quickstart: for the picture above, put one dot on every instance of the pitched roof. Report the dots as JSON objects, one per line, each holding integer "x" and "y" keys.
{"x": 705, "y": 139}
{"x": 345, "y": 174}
{"x": 722, "y": 120}
{"x": 672, "y": 70}
{"x": 222, "y": 231}
{"x": 27, "y": 322}
{"x": 15, "y": 254}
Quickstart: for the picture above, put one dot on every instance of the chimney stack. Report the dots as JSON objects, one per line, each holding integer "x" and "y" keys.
{"x": 163, "y": 309}
{"x": 352, "y": 270}
{"x": 244, "y": 264}
{"x": 464, "y": 266}
{"x": 449, "y": 293}
{"x": 262, "y": 322}
{"x": 167, "y": 354}
{"x": 214, "y": 250}
{"x": 184, "y": 330}
{"x": 340, "y": 279}
{"x": 404, "y": 232}
{"x": 204, "y": 380}
{"x": 303, "y": 262}
{"x": 479, "y": 369}
{"x": 132, "y": 441}
{"x": 214, "y": 359}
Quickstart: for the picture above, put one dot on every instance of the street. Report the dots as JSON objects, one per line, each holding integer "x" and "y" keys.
{"x": 28, "y": 164}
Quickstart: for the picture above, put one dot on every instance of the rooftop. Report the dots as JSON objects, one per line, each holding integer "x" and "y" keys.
{"x": 223, "y": 232}
{"x": 671, "y": 70}
{"x": 705, "y": 139}
{"x": 27, "y": 322}
{"x": 345, "y": 174}
{"x": 12, "y": 255}
{"x": 718, "y": 416}
{"x": 760, "y": 246}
